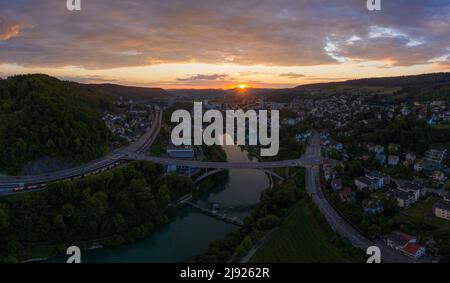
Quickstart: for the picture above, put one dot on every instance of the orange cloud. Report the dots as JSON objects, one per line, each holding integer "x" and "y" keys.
{"x": 8, "y": 32}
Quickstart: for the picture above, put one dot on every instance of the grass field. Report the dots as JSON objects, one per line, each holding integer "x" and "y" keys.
{"x": 300, "y": 239}
{"x": 421, "y": 215}
{"x": 443, "y": 126}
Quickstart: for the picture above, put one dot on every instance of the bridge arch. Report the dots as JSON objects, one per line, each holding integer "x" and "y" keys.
{"x": 216, "y": 171}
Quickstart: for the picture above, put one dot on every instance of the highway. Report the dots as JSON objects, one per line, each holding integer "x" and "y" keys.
{"x": 135, "y": 152}
{"x": 338, "y": 224}
{"x": 302, "y": 162}
{"x": 16, "y": 184}
{"x": 310, "y": 160}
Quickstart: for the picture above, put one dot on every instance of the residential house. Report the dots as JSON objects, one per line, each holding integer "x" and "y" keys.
{"x": 381, "y": 158}
{"x": 405, "y": 244}
{"x": 439, "y": 176}
{"x": 337, "y": 146}
{"x": 411, "y": 156}
{"x": 419, "y": 165}
{"x": 436, "y": 155}
{"x": 372, "y": 206}
{"x": 377, "y": 149}
{"x": 393, "y": 160}
{"x": 347, "y": 195}
{"x": 365, "y": 183}
{"x": 378, "y": 178}
{"x": 417, "y": 189}
{"x": 441, "y": 209}
{"x": 404, "y": 198}
{"x": 393, "y": 148}
{"x": 336, "y": 184}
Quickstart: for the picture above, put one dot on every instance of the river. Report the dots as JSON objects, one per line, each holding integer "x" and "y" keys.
{"x": 190, "y": 232}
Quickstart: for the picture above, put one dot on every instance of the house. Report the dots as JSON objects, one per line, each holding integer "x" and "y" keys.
{"x": 381, "y": 158}
{"x": 328, "y": 169}
{"x": 436, "y": 155}
{"x": 372, "y": 206}
{"x": 410, "y": 156}
{"x": 419, "y": 165}
{"x": 377, "y": 149}
{"x": 347, "y": 195}
{"x": 441, "y": 209}
{"x": 337, "y": 145}
{"x": 393, "y": 160}
{"x": 404, "y": 198}
{"x": 336, "y": 184}
{"x": 439, "y": 176}
{"x": 405, "y": 244}
{"x": 417, "y": 189}
{"x": 378, "y": 178}
{"x": 393, "y": 148}
{"x": 365, "y": 183}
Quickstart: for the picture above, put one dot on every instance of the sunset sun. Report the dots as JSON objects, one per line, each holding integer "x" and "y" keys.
{"x": 243, "y": 86}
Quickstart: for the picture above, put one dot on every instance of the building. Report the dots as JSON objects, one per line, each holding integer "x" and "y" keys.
{"x": 441, "y": 209}
{"x": 404, "y": 199}
{"x": 372, "y": 206}
{"x": 379, "y": 178}
{"x": 419, "y": 165}
{"x": 405, "y": 244}
{"x": 181, "y": 152}
{"x": 393, "y": 148}
{"x": 393, "y": 160}
{"x": 336, "y": 184}
{"x": 439, "y": 176}
{"x": 365, "y": 183}
{"x": 381, "y": 157}
{"x": 417, "y": 189}
{"x": 347, "y": 195}
{"x": 436, "y": 155}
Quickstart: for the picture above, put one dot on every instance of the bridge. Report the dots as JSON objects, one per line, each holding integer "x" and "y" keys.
{"x": 135, "y": 152}
{"x": 301, "y": 162}
{"x": 209, "y": 173}
{"x": 215, "y": 213}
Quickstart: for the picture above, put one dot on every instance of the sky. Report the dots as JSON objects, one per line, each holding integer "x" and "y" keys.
{"x": 223, "y": 43}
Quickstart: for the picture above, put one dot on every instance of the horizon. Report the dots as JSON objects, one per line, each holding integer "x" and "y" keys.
{"x": 229, "y": 88}
{"x": 221, "y": 45}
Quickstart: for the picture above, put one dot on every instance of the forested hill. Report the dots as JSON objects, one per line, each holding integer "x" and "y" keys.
{"x": 41, "y": 116}
{"x": 435, "y": 79}
{"x": 137, "y": 93}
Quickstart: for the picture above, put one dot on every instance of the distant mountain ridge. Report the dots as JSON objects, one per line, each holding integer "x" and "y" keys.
{"x": 134, "y": 92}
{"x": 403, "y": 81}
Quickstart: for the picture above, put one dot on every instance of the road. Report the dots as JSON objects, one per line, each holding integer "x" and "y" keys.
{"x": 340, "y": 225}
{"x": 10, "y": 184}
{"x": 17, "y": 184}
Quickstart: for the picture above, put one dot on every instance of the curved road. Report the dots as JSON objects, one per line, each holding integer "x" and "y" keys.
{"x": 340, "y": 225}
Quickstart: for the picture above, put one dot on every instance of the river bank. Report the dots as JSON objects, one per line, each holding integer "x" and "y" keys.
{"x": 189, "y": 232}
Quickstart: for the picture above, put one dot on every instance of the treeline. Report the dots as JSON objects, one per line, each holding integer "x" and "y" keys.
{"x": 111, "y": 208}
{"x": 41, "y": 116}
{"x": 410, "y": 132}
{"x": 343, "y": 244}
{"x": 275, "y": 204}
{"x": 213, "y": 153}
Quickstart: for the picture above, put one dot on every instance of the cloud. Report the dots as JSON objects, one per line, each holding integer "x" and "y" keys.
{"x": 292, "y": 75}
{"x": 8, "y": 31}
{"x": 200, "y": 77}
{"x": 110, "y": 34}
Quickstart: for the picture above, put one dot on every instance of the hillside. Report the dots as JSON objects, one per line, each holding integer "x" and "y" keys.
{"x": 435, "y": 79}
{"x": 41, "y": 116}
{"x": 129, "y": 92}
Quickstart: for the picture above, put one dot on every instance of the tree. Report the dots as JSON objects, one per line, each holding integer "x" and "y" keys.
{"x": 374, "y": 230}
{"x": 268, "y": 222}
{"x": 4, "y": 219}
